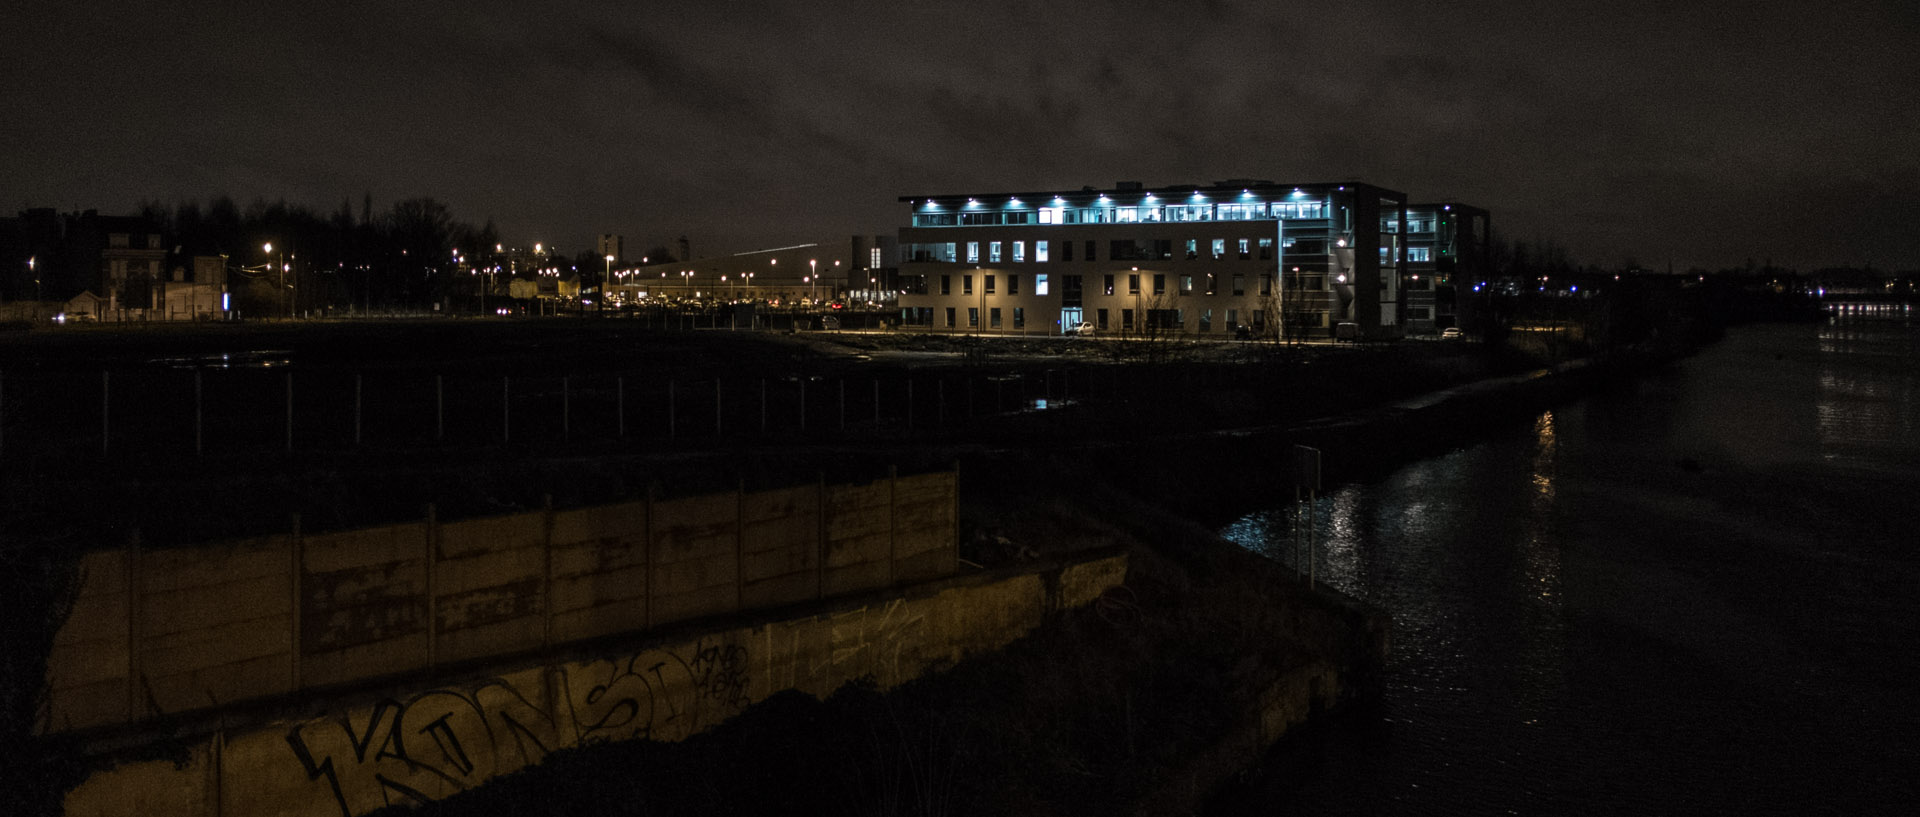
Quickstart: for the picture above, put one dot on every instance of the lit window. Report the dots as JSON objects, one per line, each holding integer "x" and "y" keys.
{"x": 993, "y": 252}
{"x": 1219, "y": 248}
{"x": 1419, "y": 254}
{"x": 1040, "y": 251}
{"x": 1040, "y": 284}
{"x": 973, "y": 252}
{"x": 1186, "y": 285}
{"x": 1243, "y": 249}
{"x": 873, "y": 258}
{"x": 1019, "y": 252}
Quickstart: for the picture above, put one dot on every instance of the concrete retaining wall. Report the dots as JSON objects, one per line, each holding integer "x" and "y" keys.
{"x": 163, "y": 633}
{"x": 355, "y": 755}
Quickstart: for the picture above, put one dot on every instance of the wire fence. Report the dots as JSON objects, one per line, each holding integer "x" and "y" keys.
{"x": 239, "y": 411}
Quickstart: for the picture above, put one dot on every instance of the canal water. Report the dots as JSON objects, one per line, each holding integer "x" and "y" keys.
{"x": 1699, "y": 594}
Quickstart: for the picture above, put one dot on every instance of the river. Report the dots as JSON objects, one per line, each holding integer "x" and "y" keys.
{"x": 1698, "y": 594}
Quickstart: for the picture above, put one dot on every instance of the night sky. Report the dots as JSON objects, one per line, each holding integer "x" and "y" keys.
{"x": 1690, "y": 133}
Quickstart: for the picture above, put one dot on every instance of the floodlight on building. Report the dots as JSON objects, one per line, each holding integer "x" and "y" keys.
{"x": 1013, "y": 202}
{"x": 1340, "y": 279}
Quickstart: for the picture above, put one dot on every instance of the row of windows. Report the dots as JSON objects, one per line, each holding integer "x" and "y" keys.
{"x": 1130, "y": 319}
{"x": 1187, "y": 284}
{"x": 1108, "y": 213}
{"x": 1124, "y": 249}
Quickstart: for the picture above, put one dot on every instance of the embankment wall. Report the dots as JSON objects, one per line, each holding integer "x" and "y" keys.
{"x": 349, "y": 756}
{"x": 158, "y": 635}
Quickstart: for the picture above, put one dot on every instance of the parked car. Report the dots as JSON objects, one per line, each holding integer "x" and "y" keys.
{"x": 1081, "y": 329}
{"x": 1242, "y": 331}
{"x": 1451, "y": 333}
{"x": 830, "y": 323}
{"x": 1347, "y": 331}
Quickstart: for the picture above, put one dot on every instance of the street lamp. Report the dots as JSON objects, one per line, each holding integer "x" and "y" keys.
{"x": 603, "y": 284}
{"x": 281, "y": 262}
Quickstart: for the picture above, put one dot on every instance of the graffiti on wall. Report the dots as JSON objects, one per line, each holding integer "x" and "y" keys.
{"x": 448, "y": 739}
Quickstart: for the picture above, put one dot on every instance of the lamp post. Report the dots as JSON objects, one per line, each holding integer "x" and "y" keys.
{"x": 281, "y": 262}
{"x": 603, "y": 285}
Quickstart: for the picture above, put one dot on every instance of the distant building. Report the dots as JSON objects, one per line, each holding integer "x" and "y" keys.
{"x": 123, "y": 266}
{"x": 610, "y": 245}
{"x": 1236, "y": 257}
{"x": 853, "y": 269}
{"x": 1447, "y": 245}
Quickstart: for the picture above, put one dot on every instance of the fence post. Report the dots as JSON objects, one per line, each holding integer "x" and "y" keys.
{"x": 296, "y": 559}
{"x": 820, "y": 536}
{"x": 646, "y": 555}
{"x": 133, "y": 625}
{"x": 893, "y": 535}
{"x": 739, "y": 544}
{"x": 431, "y": 531}
{"x": 199, "y": 424}
{"x": 546, "y": 581}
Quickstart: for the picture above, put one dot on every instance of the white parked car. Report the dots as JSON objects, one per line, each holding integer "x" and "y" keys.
{"x": 1081, "y": 329}
{"x": 1451, "y": 333}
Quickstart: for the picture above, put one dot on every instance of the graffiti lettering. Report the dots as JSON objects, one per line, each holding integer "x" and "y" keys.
{"x": 446, "y": 740}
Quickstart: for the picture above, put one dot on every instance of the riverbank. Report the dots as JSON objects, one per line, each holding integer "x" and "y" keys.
{"x": 1152, "y": 698}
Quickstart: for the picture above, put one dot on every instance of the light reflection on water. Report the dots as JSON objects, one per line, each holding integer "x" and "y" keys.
{"x": 1695, "y": 597}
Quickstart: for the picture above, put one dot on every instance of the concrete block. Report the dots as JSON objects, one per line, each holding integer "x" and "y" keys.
{"x": 628, "y": 615}
{"x": 779, "y": 590}
{"x": 208, "y": 687}
{"x": 499, "y": 637}
{"x": 476, "y": 536}
{"x": 486, "y": 605}
{"x": 582, "y": 592}
{"x": 361, "y": 661}
{"x": 95, "y": 619}
{"x": 148, "y": 787}
{"x": 576, "y": 558}
{"x": 197, "y": 607}
{"x": 377, "y": 613}
{"x": 697, "y": 575}
{"x": 855, "y": 577}
{"x": 670, "y": 607}
{"x": 83, "y": 664}
{"x": 773, "y": 563}
{"x": 86, "y": 705}
{"x": 216, "y": 645}
{"x": 488, "y": 569}
{"x": 360, "y": 548}
{"x": 627, "y": 520}
{"x": 204, "y": 565}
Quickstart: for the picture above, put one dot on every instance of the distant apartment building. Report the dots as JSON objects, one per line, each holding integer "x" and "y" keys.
{"x": 1446, "y": 245}
{"x": 1236, "y": 257}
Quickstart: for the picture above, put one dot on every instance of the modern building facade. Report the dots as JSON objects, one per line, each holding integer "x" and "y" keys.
{"x": 1232, "y": 257}
{"x": 1447, "y": 246}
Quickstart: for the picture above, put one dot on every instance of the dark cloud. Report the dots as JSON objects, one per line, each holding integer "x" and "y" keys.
{"x": 1705, "y": 132}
